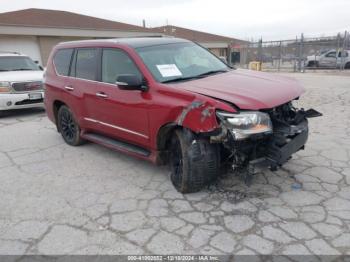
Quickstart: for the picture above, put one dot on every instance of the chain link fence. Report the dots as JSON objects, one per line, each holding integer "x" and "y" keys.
{"x": 297, "y": 54}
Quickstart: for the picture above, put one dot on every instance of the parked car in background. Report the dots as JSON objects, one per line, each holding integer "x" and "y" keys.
{"x": 168, "y": 100}
{"x": 330, "y": 59}
{"x": 21, "y": 82}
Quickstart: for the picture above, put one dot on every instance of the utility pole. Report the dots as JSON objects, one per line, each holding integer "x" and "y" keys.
{"x": 295, "y": 53}
{"x": 279, "y": 56}
{"x": 301, "y": 46}
{"x": 342, "y": 66}
{"x": 338, "y": 50}
{"x": 260, "y": 50}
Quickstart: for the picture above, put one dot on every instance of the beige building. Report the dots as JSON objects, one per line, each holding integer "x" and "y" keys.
{"x": 35, "y": 31}
{"x": 219, "y": 45}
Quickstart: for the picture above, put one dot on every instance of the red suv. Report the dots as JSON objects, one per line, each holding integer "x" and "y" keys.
{"x": 169, "y": 100}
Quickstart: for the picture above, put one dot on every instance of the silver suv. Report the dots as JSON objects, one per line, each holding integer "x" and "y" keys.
{"x": 21, "y": 82}
{"x": 330, "y": 59}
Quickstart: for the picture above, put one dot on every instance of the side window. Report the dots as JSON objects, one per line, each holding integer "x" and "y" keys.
{"x": 331, "y": 54}
{"x": 86, "y": 64}
{"x": 343, "y": 54}
{"x": 62, "y": 60}
{"x": 116, "y": 62}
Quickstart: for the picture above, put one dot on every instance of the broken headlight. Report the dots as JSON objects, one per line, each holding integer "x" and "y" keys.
{"x": 245, "y": 124}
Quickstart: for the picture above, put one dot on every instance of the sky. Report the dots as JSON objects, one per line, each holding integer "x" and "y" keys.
{"x": 244, "y": 19}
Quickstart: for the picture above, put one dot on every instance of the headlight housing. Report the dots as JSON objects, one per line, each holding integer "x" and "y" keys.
{"x": 244, "y": 124}
{"x": 5, "y": 87}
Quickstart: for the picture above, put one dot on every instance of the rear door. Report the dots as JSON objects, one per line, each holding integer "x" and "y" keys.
{"x": 82, "y": 83}
{"x": 343, "y": 57}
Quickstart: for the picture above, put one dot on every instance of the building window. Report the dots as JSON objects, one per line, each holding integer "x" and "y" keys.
{"x": 222, "y": 52}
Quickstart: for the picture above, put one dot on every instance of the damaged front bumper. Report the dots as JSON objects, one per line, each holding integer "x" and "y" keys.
{"x": 276, "y": 152}
{"x": 288, "y": 135}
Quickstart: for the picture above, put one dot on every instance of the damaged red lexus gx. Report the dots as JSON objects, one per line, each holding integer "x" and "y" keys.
{"x": 171, "y": 101}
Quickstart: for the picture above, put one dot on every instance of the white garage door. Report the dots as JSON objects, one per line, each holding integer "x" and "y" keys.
{"x": 27, "y": 45}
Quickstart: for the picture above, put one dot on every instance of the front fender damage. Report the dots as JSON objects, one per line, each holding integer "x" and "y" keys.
{"x": 199, "y": 117}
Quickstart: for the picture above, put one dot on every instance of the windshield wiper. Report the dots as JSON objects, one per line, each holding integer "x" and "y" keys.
{"x": 212, "y": 72}
{"x": 4, "y": 70}
{"x": 181, "y": 79}
{"x": 195, "y": 77}
{"x": 22, "y": 69}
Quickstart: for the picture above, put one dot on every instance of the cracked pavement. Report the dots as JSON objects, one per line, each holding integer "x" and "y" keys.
{"x": 57, "y": 199}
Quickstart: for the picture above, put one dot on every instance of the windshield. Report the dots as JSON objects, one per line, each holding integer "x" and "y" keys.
{"x": 15, "y": 63}
{"x": 180, "y": 61}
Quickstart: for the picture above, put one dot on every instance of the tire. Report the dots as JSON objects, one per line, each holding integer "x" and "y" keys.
{"x": 68, "y": 126}
{"x": 347, "y": 65}
{"x": 311, "y": 64}
{"x": 194, "y": 163}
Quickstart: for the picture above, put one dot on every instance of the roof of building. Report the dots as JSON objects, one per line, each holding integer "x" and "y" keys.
{"x": 133, "y": 42}
{"x": 194, "y": 35}
{"x": 62, "y": 19}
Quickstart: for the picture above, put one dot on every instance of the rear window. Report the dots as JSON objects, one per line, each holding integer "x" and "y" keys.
{"x": 86, "y": 65}
{"x": 62, "y": 61}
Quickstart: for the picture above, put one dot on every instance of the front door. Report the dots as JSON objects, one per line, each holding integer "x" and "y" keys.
{"x": 122, "y": 114}
{"x": 328, "y": 60}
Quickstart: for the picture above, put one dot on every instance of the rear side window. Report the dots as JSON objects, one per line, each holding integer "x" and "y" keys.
{"x": 62, "y": 61}
{"x": 343, "y": 54}
{"x": 116, "y": 62}
{"x": 86, "y": 64}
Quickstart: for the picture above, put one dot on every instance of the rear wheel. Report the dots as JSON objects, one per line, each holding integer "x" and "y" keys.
{"x": 68, "y": 126}
{"x": 347, "y": 65}
{"x": 194, "y": 162}
{"x": 311, "y": 64}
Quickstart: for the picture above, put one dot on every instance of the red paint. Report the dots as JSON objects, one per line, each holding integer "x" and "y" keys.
{"x": 246, "y": 89}
{"x": 145, "y": 113}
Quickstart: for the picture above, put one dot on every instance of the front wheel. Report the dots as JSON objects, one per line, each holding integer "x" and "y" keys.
{"x": 68, "y": 126}
{"x": 194, "y": 162}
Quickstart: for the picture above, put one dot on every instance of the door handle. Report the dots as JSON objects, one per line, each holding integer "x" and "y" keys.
{"x": 69, "y": 88}
{"x": 101, "y": 94}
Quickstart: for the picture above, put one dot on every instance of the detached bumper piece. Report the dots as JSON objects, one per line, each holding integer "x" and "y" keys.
{"x": 289, "y": 136}
{"x": 282, "y": 146}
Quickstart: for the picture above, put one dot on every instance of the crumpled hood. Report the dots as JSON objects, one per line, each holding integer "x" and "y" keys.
{"x": 246, "y": 89}
{"x": 21, "y": 76}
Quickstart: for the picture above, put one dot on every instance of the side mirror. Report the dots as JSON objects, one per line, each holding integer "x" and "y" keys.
{"x": 131, "y": 82}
